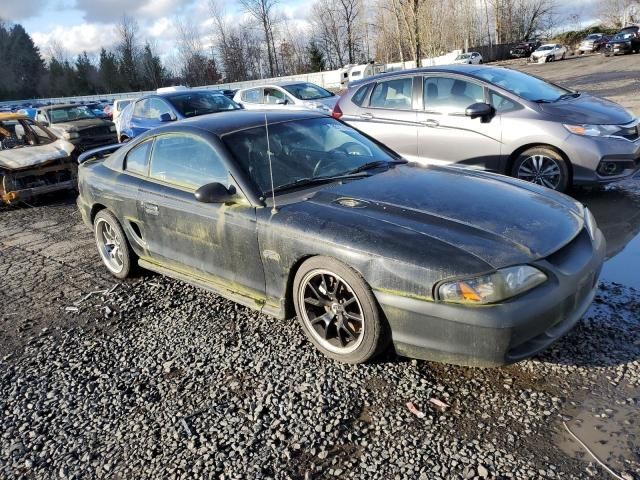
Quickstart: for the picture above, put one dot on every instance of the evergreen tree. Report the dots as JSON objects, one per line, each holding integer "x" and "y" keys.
{"x": 154, "y": 74}
{"x": 316, "y": 57}
{"x": 109, "y": 77}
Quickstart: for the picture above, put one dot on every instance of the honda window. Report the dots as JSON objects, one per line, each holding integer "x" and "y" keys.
{"x": 393, "y": 94}
{"x": 450, "y": 95}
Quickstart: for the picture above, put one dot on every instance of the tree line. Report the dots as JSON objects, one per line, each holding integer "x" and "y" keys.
{"x": 260, "y": 41}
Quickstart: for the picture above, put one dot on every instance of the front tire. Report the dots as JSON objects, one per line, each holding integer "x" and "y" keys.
{"x": 113, "y": 247}
{"x": 542, "y": 166}
{"x": 338, "y": 311}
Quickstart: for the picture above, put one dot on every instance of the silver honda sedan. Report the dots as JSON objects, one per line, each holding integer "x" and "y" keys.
{"x": 496, "y": 119}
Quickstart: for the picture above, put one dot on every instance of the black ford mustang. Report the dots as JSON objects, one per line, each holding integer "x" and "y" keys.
{"x": 448, "y": 264}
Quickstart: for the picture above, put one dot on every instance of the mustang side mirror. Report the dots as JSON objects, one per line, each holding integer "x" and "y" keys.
{"x": 166, "y": 117}
{"x": 215, "y": 193}
{"x": 482, "y": 110}
{"x": 282, "y": 101}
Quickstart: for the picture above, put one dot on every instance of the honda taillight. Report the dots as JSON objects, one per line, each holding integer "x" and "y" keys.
{"x": 337, "y": 112}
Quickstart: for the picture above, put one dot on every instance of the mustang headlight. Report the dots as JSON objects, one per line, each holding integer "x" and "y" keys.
{"x": 493, "y": 287}
{"x": 590, "y": 223}
{"x": 593, "y": 130}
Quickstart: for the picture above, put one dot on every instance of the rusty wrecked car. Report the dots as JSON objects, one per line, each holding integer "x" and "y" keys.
{"x": 33, "y": 161}
{"x": 298, "y": 214}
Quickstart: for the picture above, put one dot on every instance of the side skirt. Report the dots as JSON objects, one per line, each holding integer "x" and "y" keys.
{"x": 218, "y": 287}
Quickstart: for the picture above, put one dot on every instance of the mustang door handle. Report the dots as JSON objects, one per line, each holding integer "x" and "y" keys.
{"x": 150, "y": 208}
{"x": 430, "y": 123}
{"x": 366, "y": 115}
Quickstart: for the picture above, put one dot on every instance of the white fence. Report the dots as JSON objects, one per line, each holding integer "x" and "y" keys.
{"x": 329, "y": 79}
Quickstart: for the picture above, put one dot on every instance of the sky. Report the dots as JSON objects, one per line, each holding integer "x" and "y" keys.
{"x": 88, "y": 25}
{"x": 80, "y": 25}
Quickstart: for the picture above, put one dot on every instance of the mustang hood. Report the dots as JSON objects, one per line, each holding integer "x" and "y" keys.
{"x": 589, "y": 110}
{"x": 498, "y": 220}
{"x": 30, "y": 156}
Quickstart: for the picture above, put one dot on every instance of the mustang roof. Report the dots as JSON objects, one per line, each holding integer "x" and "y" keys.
{"x": 12, "y": 116}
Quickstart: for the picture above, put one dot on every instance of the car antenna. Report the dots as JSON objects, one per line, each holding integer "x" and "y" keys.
{"x": 274, "y": 210}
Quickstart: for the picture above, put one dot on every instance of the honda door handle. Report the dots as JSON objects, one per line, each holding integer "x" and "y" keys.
{"x": 150, "y": 208}
{"x": 366, "y": 116}
{"x": 430, "y": 123}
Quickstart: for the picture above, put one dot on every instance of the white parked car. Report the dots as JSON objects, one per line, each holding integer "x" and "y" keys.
{"x": 549, "y": 52}
{"x": 290, "y": 95}
{"x": 469, "y": 58}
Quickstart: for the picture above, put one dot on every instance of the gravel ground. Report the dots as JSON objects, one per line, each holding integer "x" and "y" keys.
{"x": 152, "y": 378}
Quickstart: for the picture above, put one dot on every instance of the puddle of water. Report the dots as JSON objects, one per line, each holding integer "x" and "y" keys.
{"x": 610, "y": 429}
{"x": 617, "y": 212}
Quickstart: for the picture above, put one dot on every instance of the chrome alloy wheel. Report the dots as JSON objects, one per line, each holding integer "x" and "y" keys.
{"x": 109, "y": 245}
{"x": 542, "y": 170}
{"x": 331, "y": 311}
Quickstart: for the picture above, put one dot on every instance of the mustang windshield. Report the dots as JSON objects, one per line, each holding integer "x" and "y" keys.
{"x": 305, "y": 152}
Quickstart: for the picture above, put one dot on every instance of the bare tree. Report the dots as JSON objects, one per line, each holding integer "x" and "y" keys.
{"x": 350, "y": 15}
{"x": 263, "y": 11}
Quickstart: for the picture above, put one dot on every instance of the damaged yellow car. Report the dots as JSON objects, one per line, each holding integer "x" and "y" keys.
{"x": 33, "y": 161}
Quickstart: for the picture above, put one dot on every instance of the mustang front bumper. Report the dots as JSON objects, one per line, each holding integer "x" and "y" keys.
{"x": 493, "y": 335}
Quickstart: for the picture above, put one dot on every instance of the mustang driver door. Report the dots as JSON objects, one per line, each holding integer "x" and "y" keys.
{"x": 213, "y": 241}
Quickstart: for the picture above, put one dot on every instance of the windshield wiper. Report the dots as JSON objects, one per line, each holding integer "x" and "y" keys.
{"x": 302, "y": 182}
{"x": 375, "y": 164}
{"x": 541, "y": 100}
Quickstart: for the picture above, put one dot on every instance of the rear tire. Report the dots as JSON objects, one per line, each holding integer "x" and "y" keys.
{"x": 542, "y": 166}
{"x": 338, "y": 311}
{"x": 113, "y": 247}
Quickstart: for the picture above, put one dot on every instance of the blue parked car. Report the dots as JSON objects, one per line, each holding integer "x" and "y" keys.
{"x": 29, "y": 112}
{"x": 166, "y": 106}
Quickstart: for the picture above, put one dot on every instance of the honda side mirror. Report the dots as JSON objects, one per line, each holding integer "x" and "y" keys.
{"x": 482, "y": 110}
{"x": 215, "y": 193}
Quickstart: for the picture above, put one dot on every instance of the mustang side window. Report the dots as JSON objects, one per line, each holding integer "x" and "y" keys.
{"x": 186, "y": 161}
{"x": 393, "y": 94}
{"x": 136, "y": 161}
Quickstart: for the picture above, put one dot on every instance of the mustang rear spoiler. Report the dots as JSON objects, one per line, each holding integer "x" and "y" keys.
{"x": 96, "y": 153}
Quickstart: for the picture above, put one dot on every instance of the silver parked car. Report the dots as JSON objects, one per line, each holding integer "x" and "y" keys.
{"x": 294, "y": 95}
{"x": 549, "y": 52}
{"x": 496, "y": 119}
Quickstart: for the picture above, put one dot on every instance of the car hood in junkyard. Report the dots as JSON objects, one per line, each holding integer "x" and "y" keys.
{"x": 587, "y": 109}
{"x": 30, "y": 156}
{"x": 499, "y": 220}
{"x": 78, "y": 125}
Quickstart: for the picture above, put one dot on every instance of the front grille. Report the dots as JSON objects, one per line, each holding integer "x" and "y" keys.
{"x": 95, "y": 131}
{"x": 575, "y": 255}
